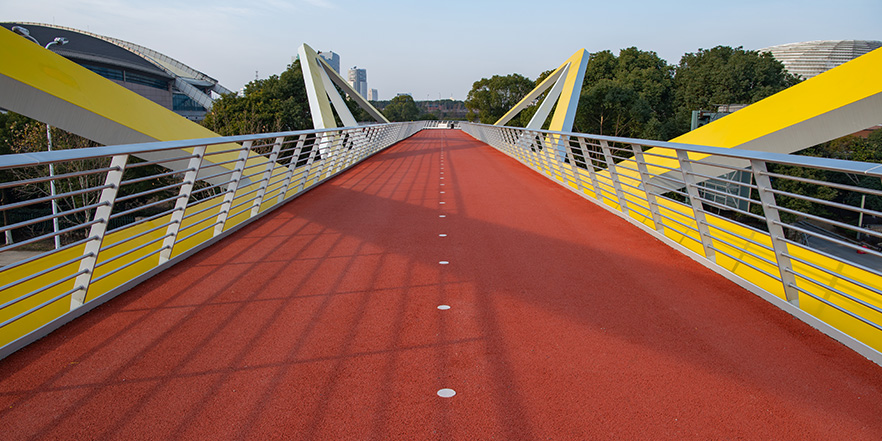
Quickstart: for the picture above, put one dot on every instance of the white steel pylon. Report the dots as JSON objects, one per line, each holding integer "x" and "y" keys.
{"x": 320, "y": 79}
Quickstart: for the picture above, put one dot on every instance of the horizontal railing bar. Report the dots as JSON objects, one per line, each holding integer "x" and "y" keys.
{"x": 42, "y": 272}
{"x": 836, "y": 275}
{"x": 825, "y": 184}
{"x": 827, "y": 203}
{"x": 151, "y": 191}
{"x": 742, "y": 249}
{"x": 116, "y": 270}
{"x": 141, "y": 207}
{"x": 126, "y": 253}
{"x": 717, "y": 164}
{"x": 43, "y": 254}
{"x": 835, "y": 306}
{"x": 742, "y": 237}
{"x": 728, "y": 208}
{"x": 137, "y": 236}
{"x": 158, "y": 161}
{"x": 49, "y": 218}
{"x": 681, "y": 223}
{"x": 754, "y": 267}
{"x": 156, "y": 176}
{"x": 35, "y": 292}
{"x": 51, "y": 198}
{"x": 728, "y": 181}
{"x": 208, "y": 165}
{"x": 830, "y": 239}
{"x": 735, "y": 196}
{"x": 828, "y": 221}
{"x": 54, "y": 177}
{"x": 210, "y": 226}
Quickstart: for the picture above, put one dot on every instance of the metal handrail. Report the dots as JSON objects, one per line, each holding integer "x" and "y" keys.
{"x": 633, "y": 186}
{"x": 865, "y": 168}
{"x": 171, "y": 223}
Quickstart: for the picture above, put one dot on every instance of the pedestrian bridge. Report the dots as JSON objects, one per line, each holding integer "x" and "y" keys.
{"x": 284, "y": 309}
{"x": 429, "y": 280}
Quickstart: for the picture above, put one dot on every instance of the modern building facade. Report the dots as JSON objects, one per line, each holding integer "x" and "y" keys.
{"x": 373, "y": 95}
{"x": 810, "y": 58}
{"x": 332, "y": 58}
{"x": 358, "y": 80}
{"x": 153, "y": 75}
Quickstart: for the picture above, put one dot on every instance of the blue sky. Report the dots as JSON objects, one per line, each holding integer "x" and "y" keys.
{"x": 440, "y": 49}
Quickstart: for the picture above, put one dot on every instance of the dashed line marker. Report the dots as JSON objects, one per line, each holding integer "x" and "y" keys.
{"x": 446, "y": 393}
{"x": 442, "y": 202}
{"x": 443, "y": 262}
{"x": 444, "y": 307}
{"x": 442, "y": 215}
{"x": 442, "y": 235}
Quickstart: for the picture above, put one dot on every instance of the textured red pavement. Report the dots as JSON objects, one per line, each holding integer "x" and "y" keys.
{"x": 320, "y": 321}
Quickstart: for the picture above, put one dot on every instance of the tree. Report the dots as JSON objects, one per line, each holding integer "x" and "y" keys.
{"x": 630, "y": 95}
{"x": 277, "y": 103}
{"x": 491, "y": 98}
{"x": 725, "y": 75}
{"x": 402, "y": 108}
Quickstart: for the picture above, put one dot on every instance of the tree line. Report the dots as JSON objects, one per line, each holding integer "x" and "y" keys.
{"x": 638, "y": 94}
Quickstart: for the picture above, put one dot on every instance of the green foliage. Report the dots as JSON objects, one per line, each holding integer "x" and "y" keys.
{"x": 847, "y": 148}
{"x": 402, "y": 108}
{"x": 277, "y": 103}
{"x": 630, "y": 95}
{"x": 725, "y": 75}
{"x": 491, "y": 98}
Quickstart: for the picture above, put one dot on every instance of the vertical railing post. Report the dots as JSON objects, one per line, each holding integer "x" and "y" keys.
{"x": 614, "y": 175}
{"x": 650, "y": 196}
{"x": 575, "y": 169}
{"x": 697, "y": 208}
{"x": 776, "y": 231}
{"x": 308, "y": 166}
{"x": 177, "y": 216}
{"x": 267, "y": 174}
{"x": 98, "y": 230}
{"x": 232, "y": 188}
{"x": 292, "y": 164}
{"x": 325, "y": 142}
{"x": 589, "y": 164}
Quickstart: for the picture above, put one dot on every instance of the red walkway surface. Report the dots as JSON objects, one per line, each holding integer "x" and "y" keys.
{"x": 320, "y": 322}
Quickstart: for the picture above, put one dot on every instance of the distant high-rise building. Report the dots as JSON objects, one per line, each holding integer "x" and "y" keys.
{"x": 373, "y": 95}
{"x": 358, "y": 80}
{"x": 332, "y": 58}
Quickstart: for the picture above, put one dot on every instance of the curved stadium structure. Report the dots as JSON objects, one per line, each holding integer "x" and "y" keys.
{"x": 810, "y": 58}
{"x": 153, "y": 75}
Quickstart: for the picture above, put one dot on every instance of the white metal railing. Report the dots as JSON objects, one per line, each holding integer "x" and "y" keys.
{"x": 766, "y": 221}
{"x": 127, "y": 212}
